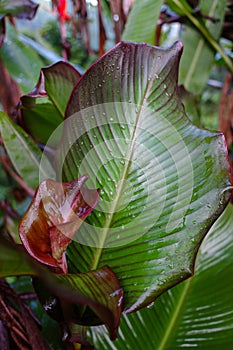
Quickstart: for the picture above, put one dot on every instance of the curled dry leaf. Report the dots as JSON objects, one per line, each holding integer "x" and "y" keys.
{"x": 54, "y": 216}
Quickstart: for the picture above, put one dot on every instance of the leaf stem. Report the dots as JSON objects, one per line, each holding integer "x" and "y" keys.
{"x": 176, "y": 313}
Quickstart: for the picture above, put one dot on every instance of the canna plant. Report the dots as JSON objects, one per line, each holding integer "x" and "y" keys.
{"x": 123, "y": 190}
{"x": 155, "y": 184}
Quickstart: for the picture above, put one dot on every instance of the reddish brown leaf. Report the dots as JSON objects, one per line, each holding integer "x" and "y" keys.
{"x": 54, "y": 216}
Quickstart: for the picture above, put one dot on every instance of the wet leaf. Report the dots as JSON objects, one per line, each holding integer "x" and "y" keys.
{"x": 163, "y": 181}
{"x": 98, "y": 289}
{"x": 196, "y": 314}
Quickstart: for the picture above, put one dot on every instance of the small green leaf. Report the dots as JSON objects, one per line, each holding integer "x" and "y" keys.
{"x": 23, "y": 152}
{"x": 43, "y": 108}
{"x": 60, "y": 79}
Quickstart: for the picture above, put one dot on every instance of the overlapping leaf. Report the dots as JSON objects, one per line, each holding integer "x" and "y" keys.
{"x": 99, "y": 290}
{"x": 163, "y": 181}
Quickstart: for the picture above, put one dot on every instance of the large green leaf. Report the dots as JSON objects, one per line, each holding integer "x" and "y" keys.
{"x": 44, "y": 107}
{"x": 163, "y": 181}
{"x": 195, "y": 314}
{"x": 198, "y": 55}
{"x": 23, "y": 152}
{"x": 142, "y": 21}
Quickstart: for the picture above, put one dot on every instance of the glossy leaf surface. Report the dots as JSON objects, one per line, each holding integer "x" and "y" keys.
{"x": 163, "y": 181}
{"x": 55, "y": 214}
{"x": 23, "y": 152}
{"x": 195, "y": 314}
{"x": 102, "y": 292}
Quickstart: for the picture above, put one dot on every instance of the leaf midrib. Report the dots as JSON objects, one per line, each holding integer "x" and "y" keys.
{"x": 98, "y": 252}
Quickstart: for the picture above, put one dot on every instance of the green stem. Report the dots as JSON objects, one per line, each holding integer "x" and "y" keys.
{"x": 174, "y": 319}
{"x": 204, "y": 31}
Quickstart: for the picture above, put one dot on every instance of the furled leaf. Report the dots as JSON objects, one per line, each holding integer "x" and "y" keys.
{"x": 23, "y": 152}
{"x": 55, "y": 214}
{"x": 198, "y": 56}
{"x": 163, "y": 181}
{"x": 44, "y": 107}
{"x": 195, "y": 314}
{"x": 25, "y": 9}
{"x": 142, "y": 21}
